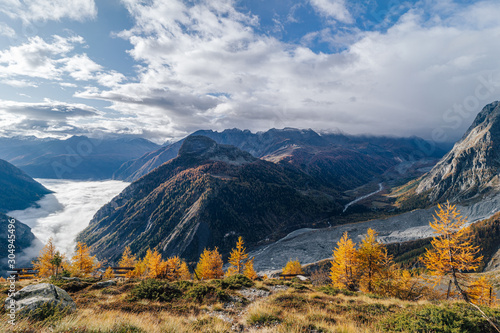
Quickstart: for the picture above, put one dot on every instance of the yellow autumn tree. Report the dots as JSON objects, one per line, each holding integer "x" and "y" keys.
{"x": 292, "y": 267}
{"x": 82, "y": 263}
{"x": 388, "y": 281}
{"x": 140, "y": 269}
{"x": 344, "y": 271}
{"x": 43, "y": 264}
{"x": 184, "y": 273}
{"x": 155, "y": 265}
{"x": 452, "y": 253}
{"x": 127, "y": 259}
{"x": 108, "y": 274}
{"x": 210, "y": 265}
{"x": 237, "y": 258}
{"x": 481, "y": 292}
{"x": 370, "y": 261}
{"x": 175, "y": 269}
{"x": 249, "y": 271}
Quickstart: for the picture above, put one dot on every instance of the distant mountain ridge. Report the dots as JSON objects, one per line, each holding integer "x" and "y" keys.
{"x": 472, "y": 167}
{"x": 208, "y": 196}
{"x": 78, "y": 157}
{"x": 340, "y": 161}
{"x": 17, "y": 189}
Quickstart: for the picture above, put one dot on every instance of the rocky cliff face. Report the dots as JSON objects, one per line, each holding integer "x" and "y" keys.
{"x": 471, "y": 168}
{"x": 208, "y": 196}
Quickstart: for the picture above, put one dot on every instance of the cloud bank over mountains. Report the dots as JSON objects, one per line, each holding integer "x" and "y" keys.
{"x": 424, "y": 68}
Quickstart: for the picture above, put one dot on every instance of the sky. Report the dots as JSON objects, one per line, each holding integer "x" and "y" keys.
{"x": 162, "y": 69}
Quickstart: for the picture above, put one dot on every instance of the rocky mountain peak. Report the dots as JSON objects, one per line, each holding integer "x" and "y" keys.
{"x": 203, "y": 148}
{"x": 197, "y": 145}
{"x": 471, "y": 167}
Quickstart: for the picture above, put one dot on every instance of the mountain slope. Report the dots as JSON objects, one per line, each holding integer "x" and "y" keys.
{"x": 78, "y": 157}
{"x": 208, "y": 196}
{"x": 24, "y": 239}
{"x": 471, "y": 167}
{"x": 17, "y": 189}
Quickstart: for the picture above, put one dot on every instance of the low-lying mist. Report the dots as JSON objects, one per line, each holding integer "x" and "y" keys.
{"x": 66, "y": 212}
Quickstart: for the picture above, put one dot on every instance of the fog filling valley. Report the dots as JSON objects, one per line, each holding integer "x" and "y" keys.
{"x": 67, "y": 211}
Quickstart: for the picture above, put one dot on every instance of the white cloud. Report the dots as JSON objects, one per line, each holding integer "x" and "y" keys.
{"x": 203, "y": 66}
{"x": 5, "y": 30}
{"x": 52, "y": 60}
{"x": 37, "y": 58}
{"x": 19, "y": 83}
{"x": 44, "y": 10}
{"x": 68, "y": 211}
{"x": 335, "y": 9}
{"x": 47, "y": 110}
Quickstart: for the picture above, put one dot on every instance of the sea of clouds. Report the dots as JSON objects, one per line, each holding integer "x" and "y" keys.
{"x": 66, "y": 212}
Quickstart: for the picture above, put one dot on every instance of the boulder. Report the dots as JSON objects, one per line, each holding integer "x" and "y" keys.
{"x": 105, "y": 284}
{"x": 70, "y": 279}
{"x": 32, "y": 297}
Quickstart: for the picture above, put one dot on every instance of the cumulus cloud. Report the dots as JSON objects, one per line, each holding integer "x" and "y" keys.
{"x": 53, "y": 60}
{"x": 45, "y": 10}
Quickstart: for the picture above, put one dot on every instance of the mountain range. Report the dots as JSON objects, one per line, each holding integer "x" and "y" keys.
{"x": 337, "y": 160}
{"x": 208, "y": 196}
{"x": 78, "y": 157}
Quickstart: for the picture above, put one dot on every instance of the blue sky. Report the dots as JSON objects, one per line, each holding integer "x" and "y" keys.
{"x": 162, "y": 69}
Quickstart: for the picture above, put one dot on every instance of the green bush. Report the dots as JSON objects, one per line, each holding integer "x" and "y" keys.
{"x": 156, "y": 291}
{"x": 204, "y": 292}
{"x": 446, "y": 318}
{"x": 329, "y": 290}
{"x": 47, "y": 312}
{"x": 234, "y": 282}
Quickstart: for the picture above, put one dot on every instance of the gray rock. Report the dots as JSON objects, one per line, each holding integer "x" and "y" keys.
{"x": 33, "y": 296}
{"x": 302, "y": 278}
{"x": 70, "y": 279}
{"x": 105, "y": 284}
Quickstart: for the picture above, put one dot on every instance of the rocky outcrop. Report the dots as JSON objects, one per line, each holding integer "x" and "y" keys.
{"x": 34, "y": 296}
{"x": 471, "y": 168}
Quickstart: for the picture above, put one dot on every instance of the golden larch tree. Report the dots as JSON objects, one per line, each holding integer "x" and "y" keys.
{"x": 370, "y": 260}
{"x": 249, "y": 271}
{"x": 292, "y": 267}
{"x": 481, "y": 292}
{"x": 237, "y": 258}
{"x": 184, "y": 273}
{"x": 82, "y": 263}
{"x": 155, "y": 265}
{"x": 452, "y": 253}
{"x": 108, "y": 274}
{"x": 210, "y": 265}
{"x": 127, "y": 259}
{"x": 344, "y": 271}
{"x": 43, "y": 264}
